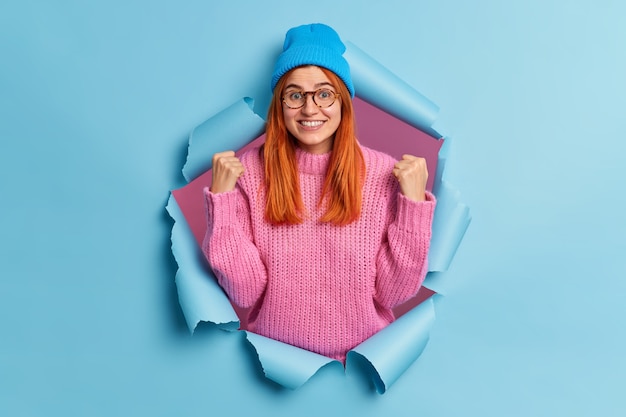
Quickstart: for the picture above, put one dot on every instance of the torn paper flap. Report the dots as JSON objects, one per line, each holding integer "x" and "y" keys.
{"x": 392, "y": 350}
{"x": 230, "y": 129}
{"x": 287, "y": 365}
{"x": 200, "y": 296}
{"x": 450, "y": 222}
{"x": 377, "y": 85}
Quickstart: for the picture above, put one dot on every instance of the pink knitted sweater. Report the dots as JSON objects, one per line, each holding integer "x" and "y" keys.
{"x": 321, "y": 287}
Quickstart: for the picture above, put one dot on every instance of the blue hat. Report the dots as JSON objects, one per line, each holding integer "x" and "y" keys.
{"x": 314, "y": 44}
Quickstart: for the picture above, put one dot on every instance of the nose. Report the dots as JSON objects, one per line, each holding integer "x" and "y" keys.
{"x": 309, "y": 105}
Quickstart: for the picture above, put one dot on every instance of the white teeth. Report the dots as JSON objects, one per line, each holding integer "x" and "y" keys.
{"x": 310, "y": 123}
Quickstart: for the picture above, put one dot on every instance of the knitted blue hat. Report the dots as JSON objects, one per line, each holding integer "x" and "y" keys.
{"x": 314, "y": 44}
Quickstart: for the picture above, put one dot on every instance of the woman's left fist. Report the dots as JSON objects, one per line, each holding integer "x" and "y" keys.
{"x": 412, "y": 174}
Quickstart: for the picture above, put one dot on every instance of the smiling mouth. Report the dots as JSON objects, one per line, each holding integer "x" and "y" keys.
{"x": 308, "y": 123}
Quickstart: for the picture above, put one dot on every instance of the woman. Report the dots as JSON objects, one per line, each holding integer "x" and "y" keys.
{"x": 320, "y": 237}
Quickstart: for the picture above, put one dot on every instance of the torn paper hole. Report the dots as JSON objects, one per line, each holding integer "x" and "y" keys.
{"x": 407, "y": 119}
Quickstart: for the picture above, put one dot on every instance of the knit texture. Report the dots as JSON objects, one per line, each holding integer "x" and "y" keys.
{"x": 314, "y": 285}
{"x": 314, "y": 44}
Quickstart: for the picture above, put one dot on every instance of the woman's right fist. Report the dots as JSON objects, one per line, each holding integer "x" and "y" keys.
{"x": 227, "y": 168}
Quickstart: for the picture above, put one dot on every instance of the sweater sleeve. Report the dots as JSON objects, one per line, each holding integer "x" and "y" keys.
{"x": 229, "y": 247}
{"x": 402, "y": 261}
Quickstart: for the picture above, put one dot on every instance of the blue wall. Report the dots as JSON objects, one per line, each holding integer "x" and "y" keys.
{"x": 97, "y": 100}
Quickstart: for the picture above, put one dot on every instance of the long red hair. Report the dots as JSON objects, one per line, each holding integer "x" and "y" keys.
{"x": 342, "y": 187}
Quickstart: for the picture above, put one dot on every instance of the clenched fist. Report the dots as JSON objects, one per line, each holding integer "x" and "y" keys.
{"x": 412, "y": 174}
{"x": 227, "y": 168}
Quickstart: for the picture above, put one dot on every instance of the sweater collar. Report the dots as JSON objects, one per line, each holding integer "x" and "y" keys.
{"x": 311, "y": 163}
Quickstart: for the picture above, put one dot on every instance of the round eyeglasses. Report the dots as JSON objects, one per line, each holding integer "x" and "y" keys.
{"x": 322, "y": 98}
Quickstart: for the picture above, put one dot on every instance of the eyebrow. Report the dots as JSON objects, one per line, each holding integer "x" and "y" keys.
{"x": 318, "y": 85}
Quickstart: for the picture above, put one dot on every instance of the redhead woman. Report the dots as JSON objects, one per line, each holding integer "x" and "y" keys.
{"x": 318, "y": 236}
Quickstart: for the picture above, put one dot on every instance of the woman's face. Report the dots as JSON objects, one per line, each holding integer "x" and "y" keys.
{"x": 312, "y": 126}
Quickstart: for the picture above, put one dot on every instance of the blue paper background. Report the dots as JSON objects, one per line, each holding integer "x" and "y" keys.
{"x": 97, "y": 100}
